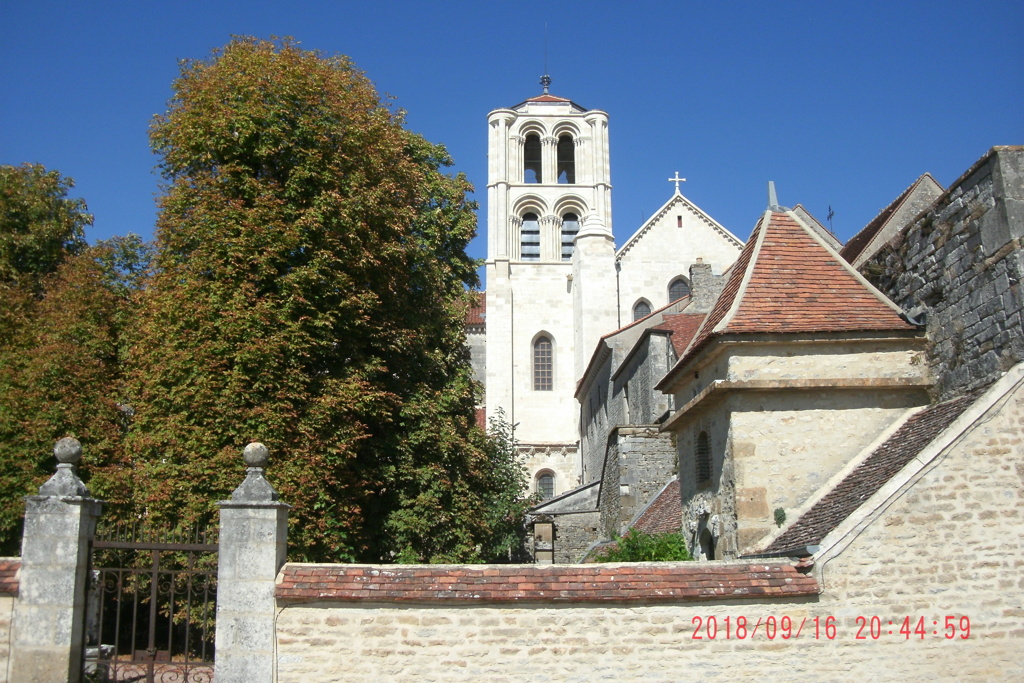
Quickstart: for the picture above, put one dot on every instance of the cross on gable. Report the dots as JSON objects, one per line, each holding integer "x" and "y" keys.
{"x": 677, "y": 180}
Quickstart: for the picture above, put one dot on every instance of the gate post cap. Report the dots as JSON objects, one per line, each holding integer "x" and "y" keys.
{"x": 256, "y": 455}
{"x": 68, "y": 450}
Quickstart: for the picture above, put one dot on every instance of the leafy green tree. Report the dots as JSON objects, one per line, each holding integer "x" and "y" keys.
{"x": 309, "y": 292}
{"x": 59, "y": 376}
{"x": 39, "y": 225}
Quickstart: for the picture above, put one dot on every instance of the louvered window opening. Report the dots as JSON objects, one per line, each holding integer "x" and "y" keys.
{"x": 529, "y": 243}
{"x": 703, "y": 457}
{"x": 570, "y": 226}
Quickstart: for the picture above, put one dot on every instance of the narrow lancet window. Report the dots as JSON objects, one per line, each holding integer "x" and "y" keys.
{"x": 543, "y": 365}
{"x": 570, "y": 226}
{"x": 532, "y": 159}
{"x": 642, "y": 309}
{"x": 566, "y": 160}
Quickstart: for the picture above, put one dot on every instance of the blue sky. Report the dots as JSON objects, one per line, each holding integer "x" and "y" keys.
{"x": 841, "y": 104}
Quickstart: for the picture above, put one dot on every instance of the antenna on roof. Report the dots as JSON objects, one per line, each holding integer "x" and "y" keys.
{"x": 545, "y": 80}
{"x": 773, "y": 200}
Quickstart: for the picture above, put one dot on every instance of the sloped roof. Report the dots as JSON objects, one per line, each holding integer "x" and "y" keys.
{"x": 664, "y": 514}
{"x": 547, "y": 98}
{"x": 871, "y": 475}
{"x": 786, "y": 280}
{"x": 682, "y": 327}
{"x": 859, "y": 242}
{"x": 477, "y": 313}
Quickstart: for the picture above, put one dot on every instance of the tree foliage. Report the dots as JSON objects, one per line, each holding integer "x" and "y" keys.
{"x": 309, "y": 292}
{"x": 60, "y": 375}
{"x": 39, "y": 225}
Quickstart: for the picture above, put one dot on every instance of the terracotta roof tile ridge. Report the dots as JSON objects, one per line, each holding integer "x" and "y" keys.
{"x": 845, "y": 265}
{"x": 727, "y": 301}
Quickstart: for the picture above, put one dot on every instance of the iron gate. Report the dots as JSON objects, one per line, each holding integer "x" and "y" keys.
{"x": 152, "y": 604}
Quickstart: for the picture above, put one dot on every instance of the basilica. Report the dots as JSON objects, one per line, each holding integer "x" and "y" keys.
{"x": 687, "y": 381}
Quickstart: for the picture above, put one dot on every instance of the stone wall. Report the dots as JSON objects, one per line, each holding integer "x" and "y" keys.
{"x": 640, "y": 460}
{"x": 574, "y": 534}
{"x": 959, "y": 265}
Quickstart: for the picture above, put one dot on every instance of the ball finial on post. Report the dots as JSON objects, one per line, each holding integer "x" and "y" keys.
{"x": 256, "y": 455}
{"x": 68, "y": 450}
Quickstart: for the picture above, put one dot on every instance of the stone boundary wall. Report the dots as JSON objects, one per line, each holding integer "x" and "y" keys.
{"x": 593, "y": 583}
{"x": 959, "y": 264}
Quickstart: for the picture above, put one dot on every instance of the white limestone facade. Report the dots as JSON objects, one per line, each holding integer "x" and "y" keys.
{"x": 555, "y": 281}
{"x": 662, "y": 251}
{"x": 548, "y": 173}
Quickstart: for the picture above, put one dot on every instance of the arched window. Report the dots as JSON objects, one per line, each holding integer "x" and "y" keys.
{"x": 678, "y": 289}
{"x": 566, "y": 159}
{"x": 529, "y": 241}
{"x": 543, "y": 365}
{"x": 570, "y": 226}
{"x": 546, "y": 485}
{"x": 702, "y": 455}
{"x": 532, "y": 159}
{"x": 642, "y": 309}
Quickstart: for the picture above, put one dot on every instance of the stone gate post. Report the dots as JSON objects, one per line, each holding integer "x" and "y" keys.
{"x": 253, "y": 542}
{"x": 49, "y": 614}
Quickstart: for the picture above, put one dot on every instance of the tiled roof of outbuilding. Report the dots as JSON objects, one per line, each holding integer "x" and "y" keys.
{"x": 871, "y": 475}
{"x": 665, "y": 513}
{"x": 682, "y": 327}
{"x": 786, "y": 281}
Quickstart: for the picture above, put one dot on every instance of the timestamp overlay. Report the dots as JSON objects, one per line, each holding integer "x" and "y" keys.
{"x": 948, "y": 627}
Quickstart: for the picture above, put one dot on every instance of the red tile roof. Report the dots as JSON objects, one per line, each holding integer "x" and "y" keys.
{"x": 871, "y": 475}
{"x": 9, "y": 567}
{"x": 786, "y": 281}
{"x": 682, "y": 327}
{"x": 547, "y": 97}
{"x": 665, "y": 513}
{"x": 614, "y": 583}
{"x": 477, "y": 313}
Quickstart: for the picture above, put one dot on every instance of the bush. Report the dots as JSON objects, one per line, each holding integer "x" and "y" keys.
{"x": 640, "y": 546}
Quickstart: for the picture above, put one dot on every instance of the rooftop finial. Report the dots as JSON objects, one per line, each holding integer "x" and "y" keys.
{"x": 677, "y": 180}
{"x": 545, "y": 80}
{"x": 773, "y": 200}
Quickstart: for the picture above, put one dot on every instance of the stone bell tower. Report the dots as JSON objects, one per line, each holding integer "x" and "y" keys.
{"x": 548, "y": 174}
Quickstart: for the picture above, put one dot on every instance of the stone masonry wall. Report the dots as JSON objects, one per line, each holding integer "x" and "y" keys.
{"x": 944, "y": 544}
{"x": 960, "y": 265}
{"x": 645, "y": 459}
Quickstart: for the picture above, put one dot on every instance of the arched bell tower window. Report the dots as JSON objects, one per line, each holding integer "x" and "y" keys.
{"x": 678, "y": 289}
{"x": 641, "y": 309}
{"x": 529, "y": 240}
{"x": 566, "y": 159}
{"x": 543, "y": 364}
{"x": 570, "y": 226}
{"x": 532, "y": 159}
